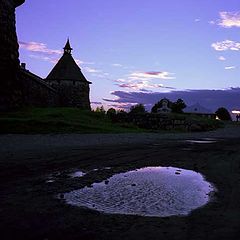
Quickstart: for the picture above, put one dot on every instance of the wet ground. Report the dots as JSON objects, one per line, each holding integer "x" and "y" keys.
{"x": 31, "y": 181}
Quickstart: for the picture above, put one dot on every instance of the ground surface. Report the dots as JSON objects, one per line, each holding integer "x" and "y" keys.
{"x": 29, "y": 208}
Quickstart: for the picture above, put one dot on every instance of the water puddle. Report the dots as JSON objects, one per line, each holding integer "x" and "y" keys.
{"x": 150, "y": 191}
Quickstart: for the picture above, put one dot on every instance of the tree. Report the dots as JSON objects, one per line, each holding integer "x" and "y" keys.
{"x": 223, "y": 114}
{"x": 178, "y": 106}
{"x": 100, "y": 110}
{"x": 139, "y": 108}
{"x": 159, "y": 105}
{"x": 111, "y": 112}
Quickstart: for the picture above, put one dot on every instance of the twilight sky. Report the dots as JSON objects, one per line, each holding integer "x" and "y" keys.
{"x": 140, "y": 51}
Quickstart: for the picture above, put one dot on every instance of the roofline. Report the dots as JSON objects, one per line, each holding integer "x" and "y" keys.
{"x": 37, "y": 78}
{"x": 64, "y": 79}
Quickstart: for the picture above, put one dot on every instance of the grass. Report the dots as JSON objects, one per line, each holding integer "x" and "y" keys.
{"x": 60, "y": 120}
{"x": 74, "y": 120}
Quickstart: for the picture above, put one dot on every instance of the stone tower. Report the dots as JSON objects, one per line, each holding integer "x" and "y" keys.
{"x": 67, "y": 78}
{"x": 10, "y": 84}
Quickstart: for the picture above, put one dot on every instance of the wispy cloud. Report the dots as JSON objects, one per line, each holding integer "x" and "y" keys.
{"x": 143, "y": 81}
{"x": 226, "y": 45}
{"x": 42, "y": 52}
{"x": 97, "y": 103}
{"x": 91, "y": 70}
{"x": 117, "y": 65}
{"x": 45, "y": 58}
{"x": 229, "y": 19}
{"x": 141, "y": 85}
{"x": 38, "y": 48}
{"x": 151, "y": 75}
{"x": 80, "y": 62}
{"x": 230, "y": 67}
{"x": 221, "y": 58}
{"x": 212, "y": 22}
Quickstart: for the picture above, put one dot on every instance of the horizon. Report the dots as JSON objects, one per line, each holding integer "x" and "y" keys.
{"x": 139, "y": 53}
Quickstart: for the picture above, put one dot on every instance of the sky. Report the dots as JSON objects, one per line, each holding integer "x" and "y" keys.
{"x": 140, "y": 51}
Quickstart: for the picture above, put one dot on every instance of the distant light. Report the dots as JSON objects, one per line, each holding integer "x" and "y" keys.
{"x": 236, "y": 112}
{"x": 217, "y": 118}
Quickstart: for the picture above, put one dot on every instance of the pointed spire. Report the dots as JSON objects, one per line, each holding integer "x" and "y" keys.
{"x": 67, "y": 48}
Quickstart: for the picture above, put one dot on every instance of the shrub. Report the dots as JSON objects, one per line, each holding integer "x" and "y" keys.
{"x": 139, "y": 108}
{"x": 223, "y": 114}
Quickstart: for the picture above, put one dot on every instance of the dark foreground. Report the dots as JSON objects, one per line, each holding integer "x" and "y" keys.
{"x": 29, "y": 208}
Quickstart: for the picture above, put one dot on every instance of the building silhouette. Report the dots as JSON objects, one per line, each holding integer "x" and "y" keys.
{"x": 66, "y": 77}
{"x": 65, "y": 86}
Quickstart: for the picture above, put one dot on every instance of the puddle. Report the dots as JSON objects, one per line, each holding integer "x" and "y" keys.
{"x": 77, "y": 174}
{"x": 150, "y": 191}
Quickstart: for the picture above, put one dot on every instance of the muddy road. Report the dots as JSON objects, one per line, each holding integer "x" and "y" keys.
{"x": 30, "y": 207}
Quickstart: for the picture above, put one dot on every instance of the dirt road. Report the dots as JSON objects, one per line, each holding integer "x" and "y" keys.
{"x": 29, "y": 208}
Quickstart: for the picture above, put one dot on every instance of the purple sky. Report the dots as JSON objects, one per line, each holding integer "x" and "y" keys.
{"x": 134, "y": 50}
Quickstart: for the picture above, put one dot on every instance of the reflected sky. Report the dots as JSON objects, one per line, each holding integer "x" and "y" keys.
{"x": 150, "y": 191}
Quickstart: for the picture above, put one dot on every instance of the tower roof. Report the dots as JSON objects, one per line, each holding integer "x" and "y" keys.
{"x": 66, "y": 68}
{"x": 67, "y": 47}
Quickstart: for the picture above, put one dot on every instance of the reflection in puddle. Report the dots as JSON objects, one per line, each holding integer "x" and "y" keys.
{"x": 151, "y": 191}
{"x": 77, "y": 174}
{"x": 50, "y": 181}
{"x": 206, "y": 141}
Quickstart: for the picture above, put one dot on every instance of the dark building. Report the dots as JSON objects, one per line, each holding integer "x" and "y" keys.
{"x": 66, "y": 77}
{"x": 10, "y": 84}
{"x": 65, "y": 85}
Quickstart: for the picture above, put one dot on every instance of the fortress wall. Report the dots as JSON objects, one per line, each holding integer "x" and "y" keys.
{"x": 10, "y": 85}
{"x": 37, "y": 93}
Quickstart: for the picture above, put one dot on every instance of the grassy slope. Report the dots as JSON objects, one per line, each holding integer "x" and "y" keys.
{"x": 59, "y": 120}
{"x": 74, "y": 120}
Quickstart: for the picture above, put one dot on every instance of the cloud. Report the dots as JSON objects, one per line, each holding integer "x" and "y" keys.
{"x": 91, "y": 70}
{"x": 230, "y": 67}
{"x": 140, "y": 85}
{"x": 226, "y": 45}
{"x": 197, "y": 20}
{"x": 42, "y": 52}
{"x": 151, "y": 75}
{"x": 229, "y": 19}
{"x": 221, "y": 58}
{"x": 38, "y": 48}
{"x": 212, "y": 22}
{"x": 97, "y": 103}
{"x": 212, "y": 99}
{"x": 117, "y": 65}
{"x": 143, "y": 81}
{"x": 124, "y": 106}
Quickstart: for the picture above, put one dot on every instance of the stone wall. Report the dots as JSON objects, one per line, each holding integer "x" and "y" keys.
{"x": 73, "y": 93}
{"x": 10, "y": 84}
{"x": 36, "y": 92}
